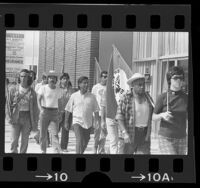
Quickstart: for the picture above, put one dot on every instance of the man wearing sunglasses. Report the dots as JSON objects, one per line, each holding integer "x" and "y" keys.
{"x": 98, "y": 91}
{"x": 171, "y": 109}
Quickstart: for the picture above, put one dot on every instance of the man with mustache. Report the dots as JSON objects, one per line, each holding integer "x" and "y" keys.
{"x": 134, "y": 115}
{"x": 48, "y": 96}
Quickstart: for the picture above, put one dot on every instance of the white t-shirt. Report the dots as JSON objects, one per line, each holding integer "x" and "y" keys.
{"x": 82, "y": 106}
{"x": 50, "y": 96}
{"x": 141, "y": 114}
{"x": 98, "y": 91}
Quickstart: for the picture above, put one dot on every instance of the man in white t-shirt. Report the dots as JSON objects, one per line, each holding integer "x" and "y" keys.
{"x": 37, "y": 87}
{"x": 48, "y": 96}
{"x": 98, "y": 91}
{"x": 82, "y": 104}
{"x": 43, "y": 82}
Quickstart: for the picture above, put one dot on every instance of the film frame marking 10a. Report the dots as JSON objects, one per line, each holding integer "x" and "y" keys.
{"x": 119, "y": 168}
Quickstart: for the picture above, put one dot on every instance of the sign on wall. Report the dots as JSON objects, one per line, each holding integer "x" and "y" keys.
{"x": 14, "y": 52}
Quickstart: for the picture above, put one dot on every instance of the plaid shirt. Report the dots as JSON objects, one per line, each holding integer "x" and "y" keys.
{"x": 126, "y": 113}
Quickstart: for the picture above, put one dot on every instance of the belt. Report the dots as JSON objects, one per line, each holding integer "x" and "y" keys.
{"x": 141, "y": 128}
{"x": 49, "y": 108}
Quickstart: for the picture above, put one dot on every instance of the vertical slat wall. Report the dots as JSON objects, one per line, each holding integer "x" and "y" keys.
{"x": 42, "y": 54}
{"x": 94, "y": 51}
{"x": 50, "y": 50}
{"x": 59, "y": 51}
{"x": 83, "y": 54}
{"x": 71, "y": 52}
{"x": 70, "y": 45}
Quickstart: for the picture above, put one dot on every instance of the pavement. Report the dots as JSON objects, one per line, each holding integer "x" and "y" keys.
{"x": 35, "y": 148}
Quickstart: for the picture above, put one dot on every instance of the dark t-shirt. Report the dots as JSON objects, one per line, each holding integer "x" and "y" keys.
{"x": 178, "y": 105}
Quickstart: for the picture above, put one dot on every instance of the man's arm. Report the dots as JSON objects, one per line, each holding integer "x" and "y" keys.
{"x": 103, "y": 117}
{"x": 96, "y": 118}
{"x": 39, "y": 98}
{"x": 67, "y": 123}
{"x": 68, "y": 112}
{"x": 120, "y": 116}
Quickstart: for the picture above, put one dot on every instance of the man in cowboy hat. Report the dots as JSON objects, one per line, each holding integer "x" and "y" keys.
{"x": 134, "y": 116}
{"x": 48, "y": 96}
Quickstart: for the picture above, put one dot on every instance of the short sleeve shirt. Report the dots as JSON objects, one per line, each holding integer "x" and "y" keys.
{"x": 82, "y": 106}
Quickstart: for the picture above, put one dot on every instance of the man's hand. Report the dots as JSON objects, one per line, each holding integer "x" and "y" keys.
{"x": 103, "y": 124}
{"x": 166, "y": 115}
{"x": 66, "y": 125}
{"x": 127, "y": 138}
{"x": 147, "y": 138}
{"x": 41, "y": 110}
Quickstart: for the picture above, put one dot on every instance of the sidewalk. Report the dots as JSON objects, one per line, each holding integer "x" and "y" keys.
{"x": 35, "y": 148}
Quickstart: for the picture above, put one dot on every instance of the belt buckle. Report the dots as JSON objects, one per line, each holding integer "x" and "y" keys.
{"x": 141, "y": 128}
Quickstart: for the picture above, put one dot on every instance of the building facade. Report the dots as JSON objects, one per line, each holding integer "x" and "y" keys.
{"x": 155, "y": 52}
{"x": 73, "y": 52}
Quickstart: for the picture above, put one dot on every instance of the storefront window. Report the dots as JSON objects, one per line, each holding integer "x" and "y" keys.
{"x": 184, "y": 64}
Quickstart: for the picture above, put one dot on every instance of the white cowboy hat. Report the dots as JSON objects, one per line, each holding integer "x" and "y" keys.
{"x": 135, "y": 76}
{"x": 52, "y": 73}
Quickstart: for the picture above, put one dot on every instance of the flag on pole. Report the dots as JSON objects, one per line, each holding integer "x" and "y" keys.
{"x": 111, "y": 105}
{"x": 118, "y": 74}
{"x": 124, "y": 70}
{"x": 97, "y": 72}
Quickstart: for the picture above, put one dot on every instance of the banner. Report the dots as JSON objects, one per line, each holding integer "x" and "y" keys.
{"x": 111, "y": 107}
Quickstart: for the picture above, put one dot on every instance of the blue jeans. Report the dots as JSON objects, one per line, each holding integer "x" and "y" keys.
{"x": 49, "y": 120}
{"x": 22, "y": 127}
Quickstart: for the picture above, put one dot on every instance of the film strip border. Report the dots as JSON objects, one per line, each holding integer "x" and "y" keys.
{"x": 93, "y": 17}
{"x": 74, "y": 168}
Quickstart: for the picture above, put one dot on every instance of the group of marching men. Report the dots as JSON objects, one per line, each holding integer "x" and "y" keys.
{"x": 48, "y": 107}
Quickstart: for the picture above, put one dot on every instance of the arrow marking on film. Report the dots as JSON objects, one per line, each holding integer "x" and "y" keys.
{"x": 48, "y": 176}
{"x": 141, "y": 177}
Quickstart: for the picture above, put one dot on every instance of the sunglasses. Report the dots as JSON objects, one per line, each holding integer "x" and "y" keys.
{"x": 104, "y": 76}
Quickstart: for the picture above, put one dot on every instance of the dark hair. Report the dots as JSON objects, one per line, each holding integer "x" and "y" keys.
{"x": 69, "y": 84}
{"x": 175, "y": 70}
{"x": 64, "y": 75}
{"x": 44, "y": 76}
{"x": 80, "y": 80}
{"x": 30, "y": 81}
{"x": 103, "y": 72}
{"x": 34, "y": 74}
